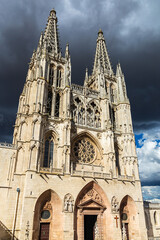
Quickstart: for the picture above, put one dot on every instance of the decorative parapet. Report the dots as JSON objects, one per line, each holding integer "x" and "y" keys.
{"x": 126, "y": 178}
{"x": 88, "y": 174}
{"x": 91, "y": 92}
{"x": 7, "y": 145}
{"x": 77, "y": 88}
{"x": 58, "y": 171}
{"x": 85, "y": 91}
{"x": 90, "y": 171}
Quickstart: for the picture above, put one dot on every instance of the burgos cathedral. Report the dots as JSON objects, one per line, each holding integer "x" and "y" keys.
{"x": 72, "y": 170}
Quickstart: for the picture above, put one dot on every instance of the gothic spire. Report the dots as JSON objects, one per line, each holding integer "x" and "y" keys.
{"x": 51, "y": 33}
{"x": 101, "y": 55}
{"x": 119, "y": 71}
{"x": 86, "y": 77}
{"x": 67, "y": 51}
{"x": 122, "y": 93}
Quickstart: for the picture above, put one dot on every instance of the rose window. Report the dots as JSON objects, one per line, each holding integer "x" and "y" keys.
{"x": 84, "y": 150}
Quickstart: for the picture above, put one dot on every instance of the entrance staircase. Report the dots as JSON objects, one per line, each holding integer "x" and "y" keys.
{"x": 5, "y": 233}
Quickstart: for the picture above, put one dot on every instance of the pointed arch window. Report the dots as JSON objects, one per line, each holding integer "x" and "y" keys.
{"x": 51, "y": 74}
{"x": 155, "y": 218}
{"x": 49, "y": 101}
{"x": 78, "y": 111}
{"x": 57, "y": 105}
{"x": 59, "y": 76}
{"x": 113, "y": 93}
{"x": 93, "y": 115}
{"x": 117, "y": 158}
{"x": 48, "y": 152}
{"x": 112, "y": 115}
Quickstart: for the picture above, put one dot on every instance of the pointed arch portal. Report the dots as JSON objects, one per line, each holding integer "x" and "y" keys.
{"x": 48, "y": 220}
{"x": 90, "y": 210}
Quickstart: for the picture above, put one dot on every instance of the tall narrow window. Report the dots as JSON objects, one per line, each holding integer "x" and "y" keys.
{"x": 48, "y": 152}
{"x": 51, "y": 75}
{"x": 112, "y": 115}
{"x": 57, "y": 105}
{"x": 112, "y": 92}
{"x": 117, "y": 158}
{"x": 59, "y": 77}
{"x": 49, "y": 101}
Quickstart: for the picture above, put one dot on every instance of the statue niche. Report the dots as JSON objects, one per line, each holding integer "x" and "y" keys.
{"x": 68, "y": 203}
{"x": 114, "y": 205}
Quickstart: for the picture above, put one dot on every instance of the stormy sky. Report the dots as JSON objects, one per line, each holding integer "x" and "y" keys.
{"x": 132, "y": 32}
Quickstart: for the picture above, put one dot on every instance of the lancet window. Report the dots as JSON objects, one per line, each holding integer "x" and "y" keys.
{"x": 93, "y": 115}
{"x": 112, "y": 93}
{"x": 49, "y": 101}
{"x": 51, "y": 74}
{"x": 59, "y": 77}
{"x": 48, "y": 152}
{"x": 112, "y": 115}
{"x": 57, "y": 105}
{"x": 78, "y": 111}
{"x": 117, "y": 158}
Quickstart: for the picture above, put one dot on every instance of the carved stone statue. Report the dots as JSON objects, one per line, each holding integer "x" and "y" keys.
{"x": 68, "y": 203}
{"x": 114, "y": 205}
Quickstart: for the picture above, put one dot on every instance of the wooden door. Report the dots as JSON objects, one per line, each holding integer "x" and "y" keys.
{"x": 44, "y": 231}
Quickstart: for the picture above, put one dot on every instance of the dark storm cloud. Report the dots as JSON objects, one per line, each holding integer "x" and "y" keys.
{"x": 131, "y": 31}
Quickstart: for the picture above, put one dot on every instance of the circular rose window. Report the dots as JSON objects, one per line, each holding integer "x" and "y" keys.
{"x": 84, "y": 150}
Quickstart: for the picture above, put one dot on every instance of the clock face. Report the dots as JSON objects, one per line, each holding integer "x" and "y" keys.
{"x": 45, "y": 214}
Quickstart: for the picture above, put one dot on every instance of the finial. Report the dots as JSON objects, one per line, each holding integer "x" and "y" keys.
{"x": 86, "y": 77}
{"x": 119, "y": 70}
{"x": 100, "y": 32}
{"x": 53, "y": 10}
{"x": 87, "y": 72}
{"x": 52, "y": 13}
{"x": 67, "y": 51}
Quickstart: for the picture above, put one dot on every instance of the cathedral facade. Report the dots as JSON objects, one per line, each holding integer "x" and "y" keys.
{"x": 72, "y": 170}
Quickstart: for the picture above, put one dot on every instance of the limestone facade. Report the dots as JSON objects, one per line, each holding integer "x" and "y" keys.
{"x": 72, "y": 170}
{"x": 152, "y": 216}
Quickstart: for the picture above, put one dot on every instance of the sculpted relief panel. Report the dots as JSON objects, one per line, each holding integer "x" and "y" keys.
{"x": 92, "y": 194}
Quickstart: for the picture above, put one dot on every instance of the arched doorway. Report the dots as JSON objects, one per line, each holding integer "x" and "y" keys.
{"x": 47, "y": 222}
{"x": 129, "y": 219}
{"x": 90, "y": 213}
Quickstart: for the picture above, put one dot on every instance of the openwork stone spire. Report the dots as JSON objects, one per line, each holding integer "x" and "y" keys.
{"x": 102, "y": 60}
{"x": 51, "y": 33}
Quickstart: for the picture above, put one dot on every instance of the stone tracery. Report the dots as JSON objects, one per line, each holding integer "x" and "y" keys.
{"x": 93, "y": 115}
{"x": 84, "y": 150}
{"x": 78, "y": 111}
{"x": 89, "y": 115}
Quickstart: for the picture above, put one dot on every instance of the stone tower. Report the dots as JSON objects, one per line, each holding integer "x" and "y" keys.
{"x": 72, "y": 170}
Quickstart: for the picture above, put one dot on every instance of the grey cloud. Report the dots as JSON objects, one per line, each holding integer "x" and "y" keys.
{"x": 134, "y": 43}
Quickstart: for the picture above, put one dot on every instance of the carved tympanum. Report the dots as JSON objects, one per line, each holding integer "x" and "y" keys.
{"x": 92, "y": 194}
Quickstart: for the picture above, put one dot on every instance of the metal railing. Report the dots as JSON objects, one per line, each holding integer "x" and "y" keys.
{"x": 8, "y": 232}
